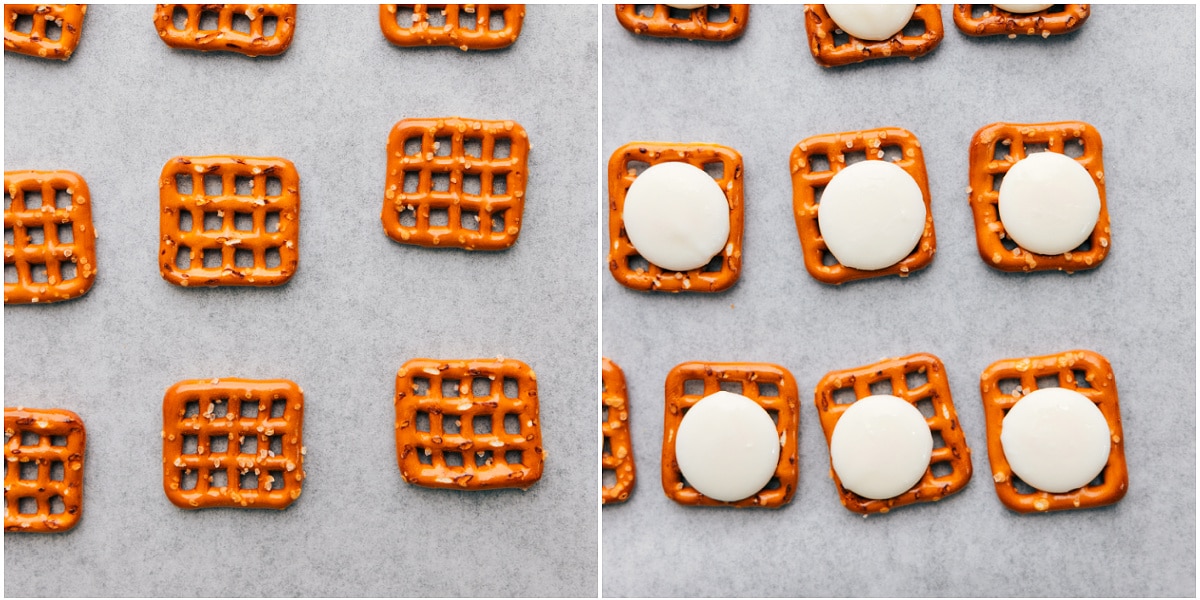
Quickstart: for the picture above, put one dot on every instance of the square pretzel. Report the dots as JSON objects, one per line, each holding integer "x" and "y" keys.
{"x": 1083, "y": 371}
{"x": 943, "y": 422}
{"x": 771, "y": 387}
{"x": 470, "y": 172}
{"x": 725, "y": 268}
{"x": 233, "y": 443}
{"x": 67, "y": 18}
{"x": 808, "y": 179}
{"x": 685, "y": 23}
{"x": 996, "y": 21}
{"x": 463, "y": 26}
{"x": 247, "y": 37}
{"x": 468, "y": 424}
{"x": 43, "y": 469}
{"x": 1009, "y": 142}
{"x": 241, "y": 212}
{"x": 49, "y": 241}
{"x": 823, "y": 35}
{"x": 618, "y": 451}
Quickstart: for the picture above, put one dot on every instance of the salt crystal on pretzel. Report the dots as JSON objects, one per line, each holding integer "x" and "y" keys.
{"x": 52, "y": 250}
{"x": 51, "y": 441}
{"x": 68, "y": 22}
{"x": 463, "y": 26}
{"x": 618, "y": 457}
{"x": 696, "y": 25}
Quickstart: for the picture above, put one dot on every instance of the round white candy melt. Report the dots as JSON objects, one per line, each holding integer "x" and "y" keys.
{"x": 1055, "y": 439}
{"x": 880, "y": 447}
{"x": 873, "y": 22}
{"x": 1023, "y": 9}
{"x": 727, "y": 447}
{"x": 1048, "y": 203}
{"x": 676, "y": 216}
{"x": 871, "y": 215}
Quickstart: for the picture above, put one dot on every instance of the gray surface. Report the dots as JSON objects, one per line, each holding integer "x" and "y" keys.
{"x": 1130, "y": 72}
{"x": 358, "y": 307}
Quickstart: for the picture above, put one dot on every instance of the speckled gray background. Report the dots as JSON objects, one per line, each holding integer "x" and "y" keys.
{"x": 1130, "y": 71}
{"x": 358, "y": 307}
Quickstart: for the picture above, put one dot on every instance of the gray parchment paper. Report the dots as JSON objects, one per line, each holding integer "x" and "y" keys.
{"x": 359, "y": 306}
{"x": 1130, "y": 71}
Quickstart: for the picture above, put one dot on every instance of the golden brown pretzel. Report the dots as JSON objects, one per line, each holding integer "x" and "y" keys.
{"x": 225, "y": 38}
{"x": 441, "y": 157}
{"x": 695, "y": 26}
{"x": 466, "y": 26}
{"x": 954, "y": 452}
{"x": 986, "y": 171}
{"x": 53, "y": 442}
{"x": 439, "y": 406}
{"x": 1097, "y": 384}
{"x": 806, "y": 182}
{"x": 621, "y": 250}
{"x": 233, "y": 442}
{"x": 68, "y": 17}
{"x": 618, "y": 456}
{"x": 53, "y": 244}
{"x": 242, "y": 215}
{"x": 1000, "y": 22}
{"x": 828, "y": 53}
{"x": 785, "y": 404}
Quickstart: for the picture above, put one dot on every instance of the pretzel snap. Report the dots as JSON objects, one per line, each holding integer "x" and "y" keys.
{"x": 233, "y": 442}
{"x": 251, "y": 42}
{"x": 695, "y": 26}
{"x": 618, "y": 453}
{"x": 953, "y": 453}
{"x": 49, "y": 241}
{"x": 771, "y": 387}
{"x": 986, "y": 172}
{"x": 225, "y": 208}
{"x": 823, "y": 42}
{"x": 67, "y": 17}
{"x": 429, "y": 165}
{"x": 725, "y": 269}
{"x": 49, "y": 496}
{"x": 996, "y": 21}
{"x": 463, "y": 26}
{"x": 468, "y": 424}
{"x": 1083, "y": 371}
{"x": 808, "y": 181}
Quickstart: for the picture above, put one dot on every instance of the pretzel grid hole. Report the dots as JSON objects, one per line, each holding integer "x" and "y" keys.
{"x": 24, "y": 23}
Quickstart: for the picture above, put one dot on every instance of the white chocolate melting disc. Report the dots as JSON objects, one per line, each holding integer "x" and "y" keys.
{"x": 676, "y": 216}
{"x": 1023, "y": 9}
{"x": 1049, "y": 203}
{"x": 873, "y": 22}
{"x": 1055, "y": 439}
{"x": 727, "y": 447}
{"x": 880, "y": 447}
{"x": 871, "y": 215}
